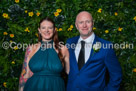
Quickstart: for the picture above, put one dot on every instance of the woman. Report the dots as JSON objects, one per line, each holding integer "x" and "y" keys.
{"x": 44, "y": 61}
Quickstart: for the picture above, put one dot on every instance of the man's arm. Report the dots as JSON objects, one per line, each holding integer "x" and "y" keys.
{"x": 114, "y": 69}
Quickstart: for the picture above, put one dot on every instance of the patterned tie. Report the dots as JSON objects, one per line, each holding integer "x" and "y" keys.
{"x": 81, "y": 57}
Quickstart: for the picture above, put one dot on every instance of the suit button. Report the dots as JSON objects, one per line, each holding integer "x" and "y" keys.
{"x": 78, "y": 74}
{"x": 77, "y": 86}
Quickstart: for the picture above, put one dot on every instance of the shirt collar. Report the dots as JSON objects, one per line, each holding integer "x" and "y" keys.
{"x": 90, "y": 39}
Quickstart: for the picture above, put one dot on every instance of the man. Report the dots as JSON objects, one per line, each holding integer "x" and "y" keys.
{"x": 88, "y": 66}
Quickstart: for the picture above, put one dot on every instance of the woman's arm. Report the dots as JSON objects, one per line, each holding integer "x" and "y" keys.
{"x": 26, "y": 72}
{"x": 66, "y": 58}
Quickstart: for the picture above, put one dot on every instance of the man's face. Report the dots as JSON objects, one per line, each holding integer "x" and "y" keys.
{"x": 84, "y": 24}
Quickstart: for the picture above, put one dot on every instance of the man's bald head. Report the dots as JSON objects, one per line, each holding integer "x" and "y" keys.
{"x": 84, "y": 13}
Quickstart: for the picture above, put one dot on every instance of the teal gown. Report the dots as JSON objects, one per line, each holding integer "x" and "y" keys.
{"x": 47, "y": 68}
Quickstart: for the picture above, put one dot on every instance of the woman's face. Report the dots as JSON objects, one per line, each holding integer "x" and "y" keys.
{"x": 46, "y": 30}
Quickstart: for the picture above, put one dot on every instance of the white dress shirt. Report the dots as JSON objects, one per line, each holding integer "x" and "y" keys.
{"x": 88, "y": 46}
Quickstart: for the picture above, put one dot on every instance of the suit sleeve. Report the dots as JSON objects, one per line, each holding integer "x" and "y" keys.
{"x": 114, "y": 69}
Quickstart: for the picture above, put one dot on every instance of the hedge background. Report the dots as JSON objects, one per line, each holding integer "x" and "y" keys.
{"x": 114, "y": 20}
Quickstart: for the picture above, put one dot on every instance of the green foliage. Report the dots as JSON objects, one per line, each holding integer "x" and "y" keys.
{"x": 19, "y": 20}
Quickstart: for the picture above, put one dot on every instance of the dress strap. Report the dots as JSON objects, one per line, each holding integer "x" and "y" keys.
{"x": 47, "y": 42}
{"x": 47, "y": 45}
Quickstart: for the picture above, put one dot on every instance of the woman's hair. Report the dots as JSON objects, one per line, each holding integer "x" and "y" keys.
{"x": 54, "y": 38}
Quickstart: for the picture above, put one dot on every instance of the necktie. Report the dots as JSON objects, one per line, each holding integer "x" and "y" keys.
{"x": 81, "y": 57}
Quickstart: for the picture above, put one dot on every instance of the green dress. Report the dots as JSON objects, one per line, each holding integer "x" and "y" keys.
{"x": 47, "y": 67}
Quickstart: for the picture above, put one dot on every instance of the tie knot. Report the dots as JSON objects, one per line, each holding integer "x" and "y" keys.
{"x": 82, "y": 44}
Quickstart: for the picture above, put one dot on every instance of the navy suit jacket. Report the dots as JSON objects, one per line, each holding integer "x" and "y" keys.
{"x": 91, "y": 77}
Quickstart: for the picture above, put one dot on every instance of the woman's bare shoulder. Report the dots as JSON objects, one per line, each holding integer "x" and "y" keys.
{"x": 64, "y": 50}
{"x": 33, "y": 48}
